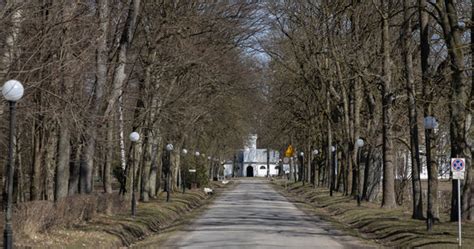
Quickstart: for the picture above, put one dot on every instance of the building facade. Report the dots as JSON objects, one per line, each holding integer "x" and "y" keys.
{"x": 253, "y": 162}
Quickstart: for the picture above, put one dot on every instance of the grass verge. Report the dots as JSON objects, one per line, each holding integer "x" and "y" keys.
{"x": 121, "y": 230}
{"x": 392, "y": 228}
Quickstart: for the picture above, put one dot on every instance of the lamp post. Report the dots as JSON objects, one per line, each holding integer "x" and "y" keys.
{"x": 184, "y": 151}
{"x": 210, "y": 172}
{"x": 197, "y": 154}
{"x": 268, "y": 162}
{"x": 429, "y": 124}
{"x": 169, "y": 148}
{"x": 359, "y": 143}
{"x": 333, "y": 169}
{"x": 303, "y": 171}
{"x": 280, "y": 167}
{"x": 316, "y": 174}
{"x": 134, "y": 137}
{"x": 12, "y": 91}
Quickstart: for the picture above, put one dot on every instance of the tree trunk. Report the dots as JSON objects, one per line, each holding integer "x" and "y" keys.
{"x": 329, "y": 168}
{"x": 156, "y": 169}
{"x": 350, "y": 187}
{"x": 35, "y": 187}
{"x": 120, "y": 77}
{"x": 471, "y": 213}
{"x": 49, "y": 165}
{"x": 62, "y": 166}
{"x": 388, "y": 187}
{"x": 151, "y": 108}
{"x": 75, "y": 168}
{"x": 87, "y": 164}
{"x": 109, "y": 158}
{"x": 417, "y": 212}
{"x": 18, "y": 190}
{"x": 64, "y": 124}
{"x": 147, "y": 162}
{"x": 10, "y": 39}
{"x": 459, "y": 115}
{"x": 138, "y": 156}
{"x": 356, "y": 105}
{"x": 427, "y": 110}
{"x": 175, "y": 166}
{"x": 124, "y": 44}
{"x": 365, "y": 187}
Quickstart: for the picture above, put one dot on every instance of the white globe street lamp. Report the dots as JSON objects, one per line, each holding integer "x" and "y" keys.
{"x": 184, "y": 151}
{"x": 360, "y": 142}
{"x": 193, "y": 185}
{"x": 169, "y": 148}
{"x": 430, "y": 122}
{"x": 134, "y": 137}
{"x": 315, "y": 152}
{"x": 332, "y": 184}
{"x": 302, "y": 167}
{"x": 12, "y": 91}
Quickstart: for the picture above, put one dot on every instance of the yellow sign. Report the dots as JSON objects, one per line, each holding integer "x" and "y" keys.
{"x": 289, "y": 151}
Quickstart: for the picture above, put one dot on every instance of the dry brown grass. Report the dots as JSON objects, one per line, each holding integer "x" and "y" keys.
{"x": 31, "y": 218}
{"x": 101, "y": 221}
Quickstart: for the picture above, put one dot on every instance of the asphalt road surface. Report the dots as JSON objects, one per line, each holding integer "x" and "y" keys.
{"x": 254, "y": 215}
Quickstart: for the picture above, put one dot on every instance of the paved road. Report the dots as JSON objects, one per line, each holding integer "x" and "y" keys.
{"x": 253, "y": 215}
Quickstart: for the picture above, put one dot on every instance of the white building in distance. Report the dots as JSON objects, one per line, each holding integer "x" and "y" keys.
{"x": 252, "y": 162}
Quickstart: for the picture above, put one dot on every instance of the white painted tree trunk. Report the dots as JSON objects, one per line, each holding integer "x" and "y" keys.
{"x": 123, "y": 160}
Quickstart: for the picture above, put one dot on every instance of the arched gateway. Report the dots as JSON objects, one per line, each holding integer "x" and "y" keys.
{"x": 249, "y": 171}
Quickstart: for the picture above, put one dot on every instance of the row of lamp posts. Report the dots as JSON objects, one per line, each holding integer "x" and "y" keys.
{"x": 13, "y": 90}
{"x": 134, "y": 138}
{"x": 359, "y": 143}
{"x": 430, "y": 123}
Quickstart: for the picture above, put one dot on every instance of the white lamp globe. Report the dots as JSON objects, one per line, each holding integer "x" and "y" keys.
{"x": 208, "y": 158}
{"x": 360, "y": 142}
{"x": 185, "y": 151}
{"x": 333, "y": 148}
{"x": 301, "y": 153}
{"x": 197, "y": 153}
{"x": 169, "y": 147}
{"x": 12, "y": 90}
{"x": 315, "y": 152}
{"x": 430, "y": 122}
{"x": 134, "y": 136}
